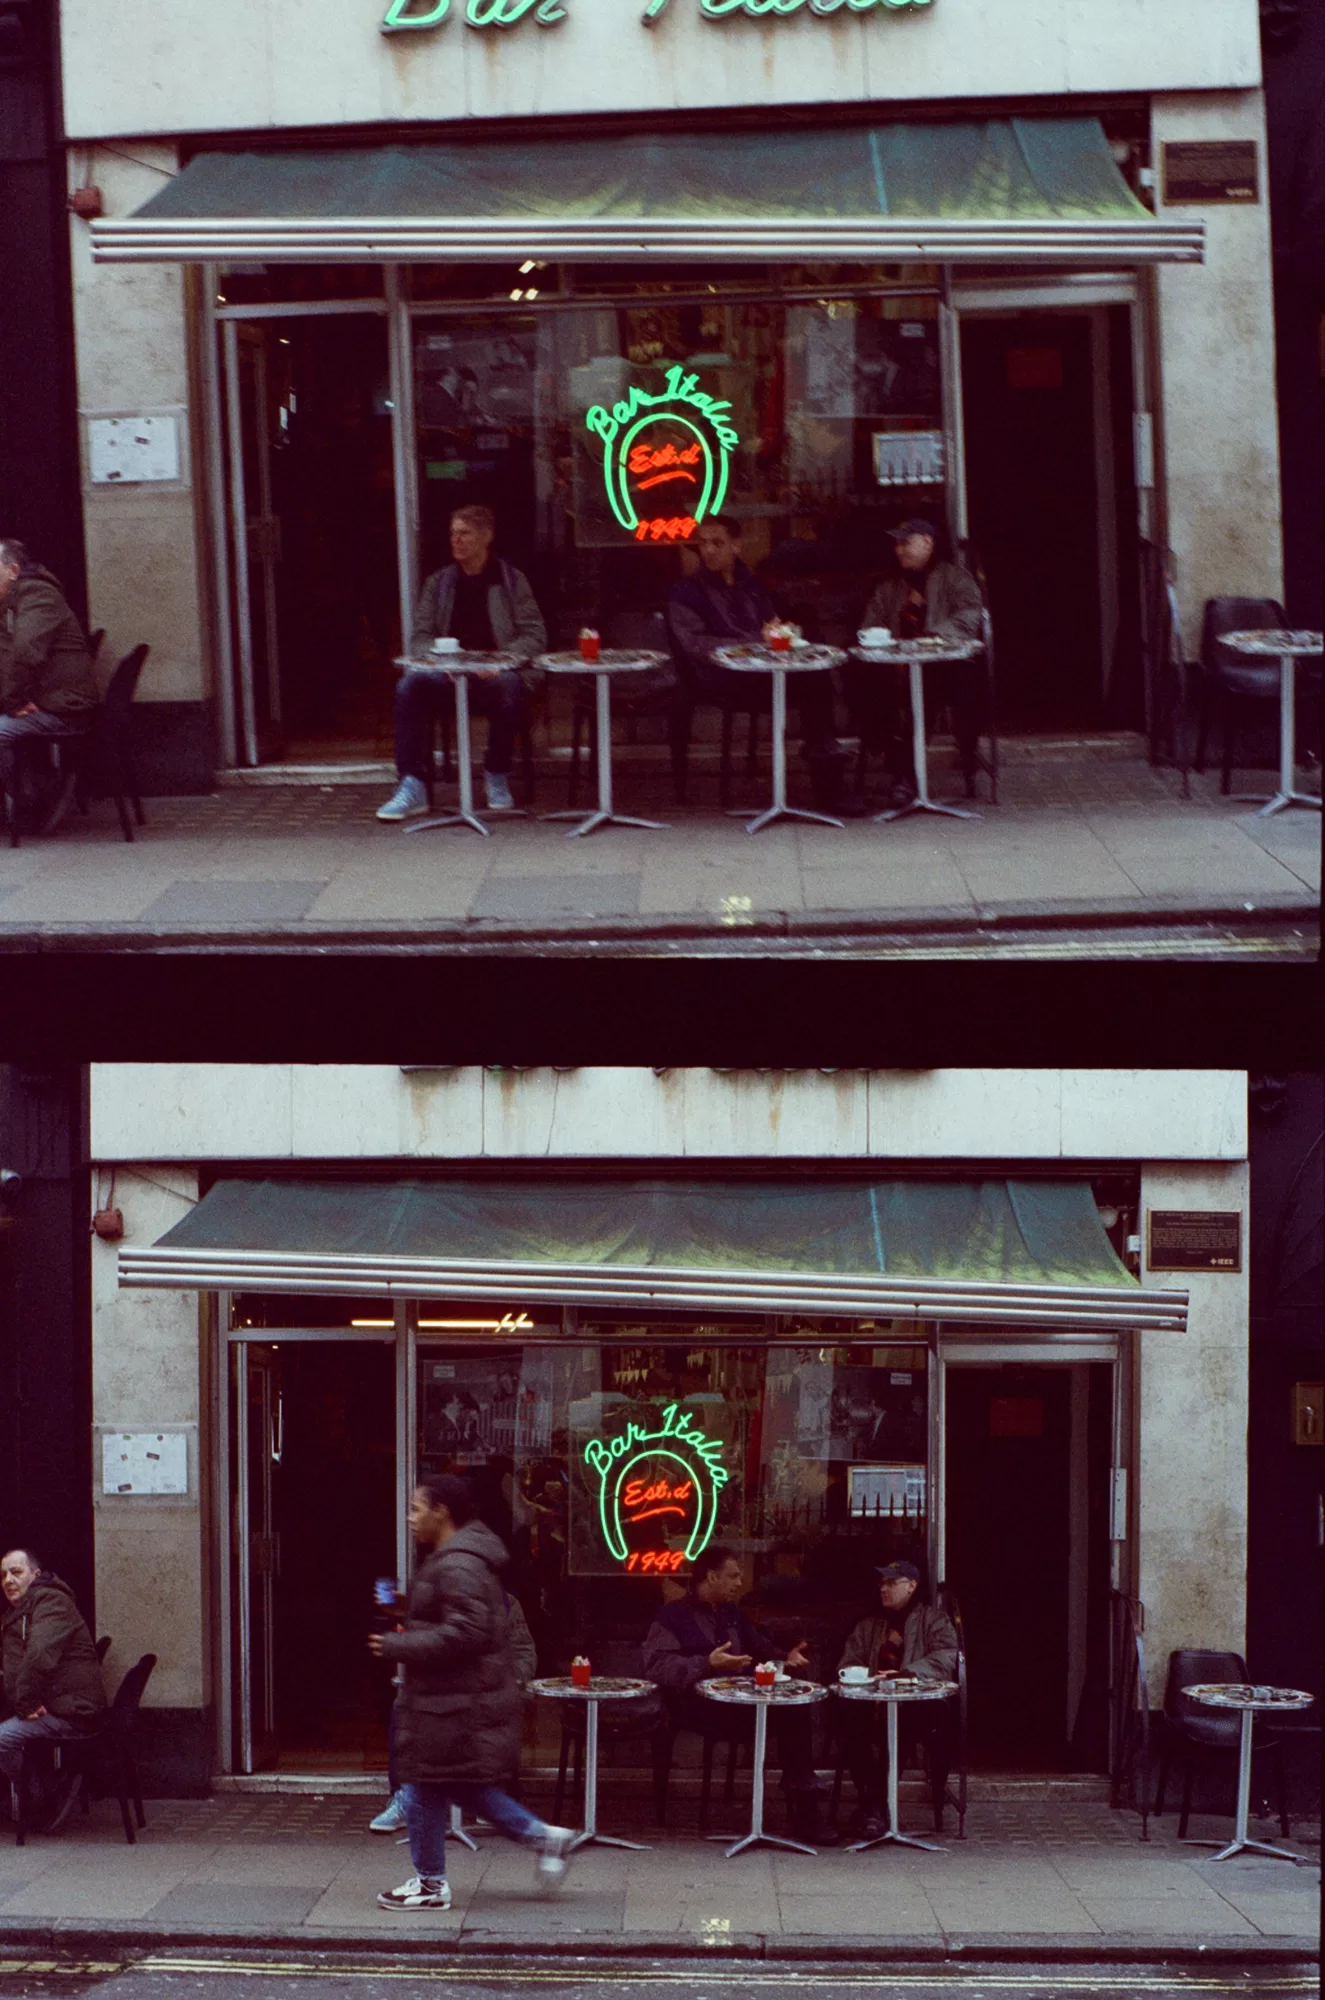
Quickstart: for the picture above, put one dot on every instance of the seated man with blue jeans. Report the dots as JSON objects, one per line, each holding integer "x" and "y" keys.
{"x": 488, "y": 607}
{"x": 52, "y": 1678}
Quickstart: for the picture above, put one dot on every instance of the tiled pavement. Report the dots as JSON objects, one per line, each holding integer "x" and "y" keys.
{"x": 304, "y": 1870}
{"x": 1089, "y": 833}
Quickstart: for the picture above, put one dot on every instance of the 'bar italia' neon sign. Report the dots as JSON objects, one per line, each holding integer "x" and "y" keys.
{"x": 403, "y": 15}
{"x": 671, "y": 1477}
{"x": 664, "y": 452}
{"x": 762, "y": 10}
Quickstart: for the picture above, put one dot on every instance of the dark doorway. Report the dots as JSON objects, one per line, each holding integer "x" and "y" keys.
{"x": 1028, "y": 1557}
{"x": 1029, "y": 421}
{"x": 323, "y": 592}
{"x": 334, "y": 1514}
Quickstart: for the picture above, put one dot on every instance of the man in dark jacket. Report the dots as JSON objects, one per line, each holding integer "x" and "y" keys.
{"x": 905, "y": 1637}
{"x": 458, "y": 1714}
{"x": 488, "y": 607}
{"x": 52, "y": 1679}
{"x": 47, "y": 688}
{"x": 726, "y": 605}
{"x": 923, "y": 598}
{"x": 704, "y": 1634}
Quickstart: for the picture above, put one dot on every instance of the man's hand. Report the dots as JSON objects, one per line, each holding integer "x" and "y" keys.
{"x": 723, "y": 1658}
{"x": 28, "y": 708}
{"x": 36, "y": 1715}
{"x": 375, "y": 1643}
{"x": 799, "y": 1655}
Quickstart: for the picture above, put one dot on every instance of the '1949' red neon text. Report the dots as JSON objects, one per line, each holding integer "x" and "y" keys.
{"x": 651, "y": 1562}
{"x": 676, "y": 528}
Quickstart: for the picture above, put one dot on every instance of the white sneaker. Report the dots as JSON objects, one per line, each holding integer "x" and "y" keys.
{"x": 553, "y": 1848}
{"x": 409, "y": 799}
{"x": 421, "y": 1892}
{"x": 498, "y": 789}
{"x": 391, "y": 1819}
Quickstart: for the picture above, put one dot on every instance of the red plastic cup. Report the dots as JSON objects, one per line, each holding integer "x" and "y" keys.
{"x": 780, "y": 642}
{"x": 590, "y": 647}
{"x": 581, "y": 1674}
{"x": 765, "y": 1677}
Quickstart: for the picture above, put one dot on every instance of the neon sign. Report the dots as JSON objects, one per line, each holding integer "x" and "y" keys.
{"x": 721, "y": 10}
{"x": 656, "y": 1487}
{"x": 403, "y": 15}
{"x": 662, "y": 451}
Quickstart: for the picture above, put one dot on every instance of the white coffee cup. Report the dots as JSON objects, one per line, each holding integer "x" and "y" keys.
{"x": 446, "y": 645}
{"x": 874, "y": 635}
{"x": 853, "y": 1676}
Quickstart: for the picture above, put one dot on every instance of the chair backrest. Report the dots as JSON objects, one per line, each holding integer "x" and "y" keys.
{"x": 94, "y": 639}
{"x": 103, "y": 1647}
{"x": 638, "y": 628}
{"x": 1237, "y": 614}
{"x": 129, "y": 1693}
{"x": 1190, "y": 1666}
{"x": 123, "y": 683}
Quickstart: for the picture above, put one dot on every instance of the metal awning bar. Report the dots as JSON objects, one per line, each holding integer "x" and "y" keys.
{"x": 413, "y": 239}
{"x": 847, "y": 1294}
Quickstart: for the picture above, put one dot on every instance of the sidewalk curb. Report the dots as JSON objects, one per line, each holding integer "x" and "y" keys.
{"x": 604, "y": 931}
{"x": 68, "y": 1939}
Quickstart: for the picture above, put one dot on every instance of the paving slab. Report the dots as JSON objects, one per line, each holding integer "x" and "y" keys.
{"x": 227, "y": 1903}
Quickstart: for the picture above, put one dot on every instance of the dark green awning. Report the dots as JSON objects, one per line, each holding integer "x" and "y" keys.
{"x": 1026, "y": 1252}
{"x": 997, "y": 187}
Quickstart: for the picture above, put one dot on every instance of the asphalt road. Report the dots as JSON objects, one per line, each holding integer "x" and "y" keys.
{"x": 241, "y": 1976}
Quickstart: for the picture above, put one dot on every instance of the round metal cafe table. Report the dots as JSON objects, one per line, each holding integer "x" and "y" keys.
{"x": 610, "y": 662}
{"x": 1288, "y": 648}
{"x": 602, "y": 1687}
{"x": 762, "y": 659}
{"x": 1251, "y": 1701}
{"x": 461, "y": 668}
{"x": 740, "y": 1691}
{"x": 894, "y": 1693}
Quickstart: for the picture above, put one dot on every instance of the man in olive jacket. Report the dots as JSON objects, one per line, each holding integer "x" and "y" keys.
{"x": 47, "y": 687}
{"x": 458, "y": 1714}
{"x": 905, "y": 1638}
{"x": 52, "y": 1679}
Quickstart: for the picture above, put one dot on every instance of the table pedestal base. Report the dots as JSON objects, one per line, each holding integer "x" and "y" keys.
{"x": 756, "y": 1836}
{"x": 1239, "y": 1846}
{"x": 776, "y": 812}
{"x": 1241, "y": 1839}
{"x": 894, "y": 1833}
{"x": 918, "y": 805}
{"x": 458, "y": 1831}
{"x": 589, "y": 1834}
{"x": 760, "y": 1839}
{"x": 447, "y": 819}
{"x": 591, "y": 821}
{"x": 1278, "y": 802}
{"x": 922, "y": 802}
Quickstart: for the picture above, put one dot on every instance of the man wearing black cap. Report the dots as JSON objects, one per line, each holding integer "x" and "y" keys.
{"x": 906, "y": 1636}
{"x": 923, "y": 599}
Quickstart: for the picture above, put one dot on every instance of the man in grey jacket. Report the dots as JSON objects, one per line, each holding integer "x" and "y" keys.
{"x": 51, "y": 1675}
{"x": 923, "y": 598}
{"x": 487, "y": 606}
{"x": 905, "y": 1637}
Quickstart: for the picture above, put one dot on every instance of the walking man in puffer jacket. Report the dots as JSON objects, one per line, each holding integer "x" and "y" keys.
{"x": 458, "y": 1714}
{"x": 52, "y": 1678}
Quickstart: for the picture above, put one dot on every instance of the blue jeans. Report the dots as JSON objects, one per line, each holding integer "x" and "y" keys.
{"x": 49, "y": 727}
{"x": 422, "y": 697}
{"x": 16, "y": 1735}
{"x": 428, "y": 1813}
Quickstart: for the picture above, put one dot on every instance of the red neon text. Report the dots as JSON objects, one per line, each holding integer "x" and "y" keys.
{"x": 676, "y": 529}
{"x": 652, "y": 1562}
{"x": 642, "y": 1499}
{"x": 644, "y": 458}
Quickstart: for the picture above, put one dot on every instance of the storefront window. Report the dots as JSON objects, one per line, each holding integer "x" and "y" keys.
{"x": 602, "y": 435}
{"x": 607, "y": 1465}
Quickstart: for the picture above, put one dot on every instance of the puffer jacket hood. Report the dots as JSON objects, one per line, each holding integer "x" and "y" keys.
{"x": 476, "y": 1539}
{"x": 47, "y": 1654}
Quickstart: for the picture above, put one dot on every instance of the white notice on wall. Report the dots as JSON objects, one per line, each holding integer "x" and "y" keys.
{"x": 144, "y": 1462}
{"x": 125, "y": 451}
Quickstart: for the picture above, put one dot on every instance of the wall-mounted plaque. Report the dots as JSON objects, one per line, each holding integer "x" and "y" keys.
{"x": 1203, "y": 170}
{"x": 1190, "y": 1239}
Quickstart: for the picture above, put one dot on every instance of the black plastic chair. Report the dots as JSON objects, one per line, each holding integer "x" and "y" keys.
{"x": 729, "y": 1726}
{"x": 99, "y": 759}
{"x": 750, "y": 696}
{"x": 618, "y": 1721}
{"x": 107, "y": 1753}
{"x": 1231, "y": 682}
{"x": 1192, "y": 1732}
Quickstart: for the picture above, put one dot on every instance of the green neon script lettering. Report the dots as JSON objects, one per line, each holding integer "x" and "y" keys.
{"x": 676, "y": 1439}
{"x": 398, "y": 16}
